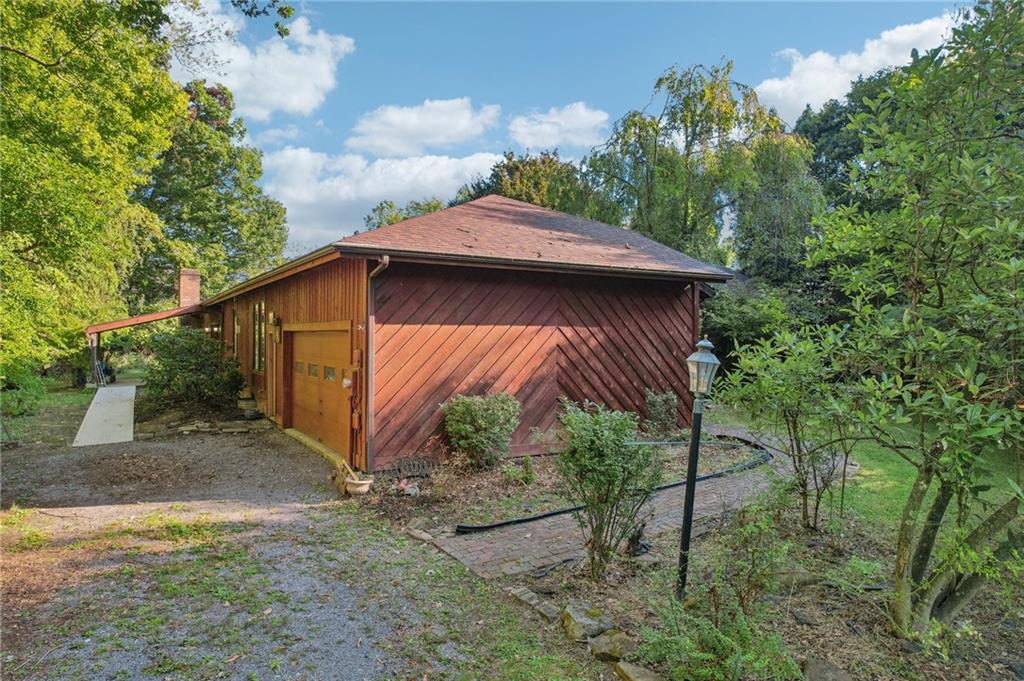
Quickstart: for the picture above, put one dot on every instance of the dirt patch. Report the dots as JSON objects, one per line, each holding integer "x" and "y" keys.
{"x": 454, "y": 493}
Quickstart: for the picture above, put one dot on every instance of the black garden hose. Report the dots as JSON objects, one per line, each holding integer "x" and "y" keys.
{"x": 763, "y": 457}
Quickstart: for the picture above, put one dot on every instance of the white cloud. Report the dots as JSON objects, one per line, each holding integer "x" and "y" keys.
{"x": 574, "y": 125}
{"x": 272, "y": 137}
{"x": 408, "y": 130}
{"x": 818, "y": 77}
{"x": 290, "y": 75}
{"x": 327, "y": 196}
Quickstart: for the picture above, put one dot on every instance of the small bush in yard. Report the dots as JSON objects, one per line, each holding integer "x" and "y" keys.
{"x": 608, "y": 478}
{"x": 522, "y": 473}
{"x": 21, "y": 389}
{"x": 190, "y": 369}
{"x": 481, "y": 427}
{"x": 719, "y": 633}
{"x": 662, "y": 410}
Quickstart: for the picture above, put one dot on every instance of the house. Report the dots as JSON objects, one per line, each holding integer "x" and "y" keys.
{"x": 358, "y": 344}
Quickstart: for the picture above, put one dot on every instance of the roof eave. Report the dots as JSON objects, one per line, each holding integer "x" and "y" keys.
{"x": 514, "y": 263}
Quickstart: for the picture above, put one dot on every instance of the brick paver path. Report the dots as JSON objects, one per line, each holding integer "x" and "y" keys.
{"x": 523, "y": 548}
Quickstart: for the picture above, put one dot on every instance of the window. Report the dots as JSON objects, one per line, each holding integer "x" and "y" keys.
{"x": 329, "y": 373}
{"x": 313, "y": 370}
{"x": 259, "y": 337}
{"x": 300, "y": 367}
{"x": 236, "y": 327}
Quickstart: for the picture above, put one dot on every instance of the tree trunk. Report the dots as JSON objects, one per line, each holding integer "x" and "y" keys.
{"x": 903, "y": 604}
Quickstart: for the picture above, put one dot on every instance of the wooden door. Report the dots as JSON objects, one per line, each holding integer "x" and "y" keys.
{"x": 320, "y": 397}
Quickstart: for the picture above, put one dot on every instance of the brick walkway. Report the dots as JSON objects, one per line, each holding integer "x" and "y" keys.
{"x": 523, "y": 548}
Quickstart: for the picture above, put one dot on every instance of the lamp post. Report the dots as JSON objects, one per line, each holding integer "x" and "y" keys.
{"x": 702, "y": 365}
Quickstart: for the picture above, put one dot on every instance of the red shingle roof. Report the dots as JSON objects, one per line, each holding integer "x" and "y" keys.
{"x": 500, "y": 231}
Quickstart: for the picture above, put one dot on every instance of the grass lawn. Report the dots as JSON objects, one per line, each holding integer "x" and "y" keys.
{"x": 59, "y": 414}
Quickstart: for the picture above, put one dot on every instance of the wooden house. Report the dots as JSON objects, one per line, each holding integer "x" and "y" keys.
{"x": 359, "y": 343}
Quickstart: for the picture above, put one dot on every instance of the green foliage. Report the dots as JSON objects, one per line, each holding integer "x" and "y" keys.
{"x": 676, "y": 171}
{"x": 87, "y": 104}
{"x": 521, "y": 473}
{"x": 545, "y": 180}
{"x": 481, "y": 426}
{"x": 719, "y": 632}
{"x": 189, "y": 369}
{"x": 787, "y": 385}
{"x": 937, "y": 279}
{"x": 21, "y": 389}
{"x": 610, "y": 479}
{"x": 735, "y": 317}
{"x": 836, "y": 143}
{"x": 775, "y": 208}
{"x": 662, "y": 411}
{"x": 215, "y": 217}
{"x": 387, "y": 213}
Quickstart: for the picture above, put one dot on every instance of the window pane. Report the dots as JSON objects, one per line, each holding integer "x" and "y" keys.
{"x": 329, "y": 374}
{"x": 314, "y": 370}
{"x": 299, "y": 367}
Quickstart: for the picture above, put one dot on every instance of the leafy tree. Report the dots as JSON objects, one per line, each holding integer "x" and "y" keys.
{"x": 837, "y": 143}
{"x": 775, "y": 208}
{"x": 545, "y": 180}
{"x": 937, "y": 277}
{"x": 675, "y": 173}
{"x": 387, "y": 213}
{"x": 215, "y": 216}
{"x": 87, "y": 105}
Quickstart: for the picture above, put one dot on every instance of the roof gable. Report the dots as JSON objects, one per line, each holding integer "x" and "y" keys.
{"x": 502, "y": 231}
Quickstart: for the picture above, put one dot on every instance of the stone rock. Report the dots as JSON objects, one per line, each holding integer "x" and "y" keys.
{"x": 797, "y": 579}
{"x": 549, "y": 588}
{"x": 1017, "y": 668}
{"x": 816, "y": 669}
{"x": 911, "y": 647}
{"x": 411, "y": 490}
{"x": 234, "y": 429}
{"x": 582, "y": 621}
{"x": 524, "y": 595}
{"x": 612, "y": 645}
{"x": 632, "y": 672}
{"x": 548, "y": 610}
{"x": 804, "y": 618}
{"x": 144, "y": 436}
{"x": 647, "y": 560}
{"x": 419, "y": 534}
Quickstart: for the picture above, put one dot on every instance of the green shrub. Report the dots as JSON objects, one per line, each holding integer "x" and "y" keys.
{"x": 736, "y": 317}
{"x": 719, "y": 632}
{"x": 189, "y": 369}
{"x": 481, "y": 427}
{"x": 610, "y": 479}
{"x": 21, "y": 389}
{"x": 662, "y": 411}
{"x": 521, "y": 473}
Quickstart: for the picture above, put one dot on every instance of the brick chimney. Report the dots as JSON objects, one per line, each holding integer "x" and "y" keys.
{"x": 188, "y": 287}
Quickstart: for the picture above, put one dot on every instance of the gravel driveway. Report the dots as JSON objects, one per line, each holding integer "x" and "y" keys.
{"x": 230, "y": 556}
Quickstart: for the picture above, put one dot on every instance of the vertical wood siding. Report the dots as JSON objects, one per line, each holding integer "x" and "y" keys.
{"x": 332, "y": 292}
{"x": 441, "y": 331}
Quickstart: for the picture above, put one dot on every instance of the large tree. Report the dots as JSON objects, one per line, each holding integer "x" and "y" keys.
{"x": 937, "y": 275}
{"x": 87, "y": 105}
{"x": 215, "y": 217}
{"x": 675, "y": 172}
{"x": 775, "y": 208}
{"x": 545, "y": 180}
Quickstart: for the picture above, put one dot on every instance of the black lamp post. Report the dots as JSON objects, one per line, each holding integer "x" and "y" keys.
{"x": 702, "y": 365}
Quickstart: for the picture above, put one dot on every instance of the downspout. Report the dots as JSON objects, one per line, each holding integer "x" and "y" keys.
{"x": 382, "y": 264}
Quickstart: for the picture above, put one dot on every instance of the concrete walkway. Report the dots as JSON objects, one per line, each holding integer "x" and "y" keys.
{"x": 110, "y": 419}
{"x": 518, "y": 549}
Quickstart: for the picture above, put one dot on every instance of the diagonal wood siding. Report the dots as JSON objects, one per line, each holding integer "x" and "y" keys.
{"x": 441, "y": 331}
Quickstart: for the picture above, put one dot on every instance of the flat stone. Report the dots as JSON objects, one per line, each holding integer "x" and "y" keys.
{"x": 647, "y": 560}
{"x": 547, "y": 587}
{"x": 633, "y": 672}
{"x": 548, "y": 610}
{"x": 419, "y": 534}
{"x": 144, "y": 436}
{"x": 234, "y": 429}
{"x": 816, "y": 669}
{"x": 912, "y": 647}
{"x": 804, "y": 618}
{"x": 612, "y": 645}
{"x": 525, "y": 595}
{"x": 582, "y": 621}
{"x": 798, "y": 579}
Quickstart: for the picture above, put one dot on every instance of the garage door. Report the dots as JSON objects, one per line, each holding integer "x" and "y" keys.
{"x": 320, "y": 401}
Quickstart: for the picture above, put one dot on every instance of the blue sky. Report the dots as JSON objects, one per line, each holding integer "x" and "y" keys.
{"x": 366, "y": 101}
